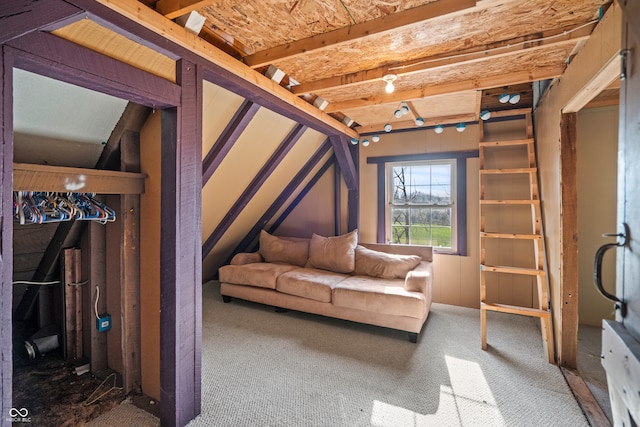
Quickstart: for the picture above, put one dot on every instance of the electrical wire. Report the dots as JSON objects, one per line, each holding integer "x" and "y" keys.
{"x": 96, "y": 304}
{"x": 507, "y": 46}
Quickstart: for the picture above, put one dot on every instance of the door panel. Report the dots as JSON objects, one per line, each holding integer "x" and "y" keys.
{"x": 621, "y": 338}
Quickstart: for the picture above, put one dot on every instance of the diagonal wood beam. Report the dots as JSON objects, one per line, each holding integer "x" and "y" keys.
{"x": 252, "y": 235}
{"x": 174, "y": 8}
{"x": 285, "y": 146}
{"x": 529, "y": 43}
{"x": 345, "y": 160}
{"x": 303, "y": 193}
{"x": 474, "y": 84}
{"x": 358, "y": 31}
{"x": 227, "y": 138}
{"x": 221, "y": 68}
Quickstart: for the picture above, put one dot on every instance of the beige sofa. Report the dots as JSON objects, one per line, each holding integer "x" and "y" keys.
{"x": 383, "y": 285}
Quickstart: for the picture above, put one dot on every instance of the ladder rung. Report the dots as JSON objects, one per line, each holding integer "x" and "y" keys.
{"x": 511, "y": 270}
{"x": 488, "y": 235}
{"x": 510, "y": 202}
{"x": 512, "y": 309}
{"x": 506, "y": 143}
{"x": 507, "y": 171}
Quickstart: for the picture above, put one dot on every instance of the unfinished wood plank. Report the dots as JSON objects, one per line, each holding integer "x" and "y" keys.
{"x": 130, "y": 268}
{"x": 512, "y": 309}
{"x": 506, "y": 142}
{"x": 175, "y": 8}
{"x": 511, "y": 270}
{"x": 358, "y": 31}
{"x": 588, "y": 403}
{"x": 497, "y": 51}
{"x": 77, "y": 295}
{"x": 29, "y": 177}
{"x": 269, "y": 89}
{"x": 69, "y": 305}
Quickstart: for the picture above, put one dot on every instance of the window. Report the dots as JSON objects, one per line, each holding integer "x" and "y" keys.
{"x": 421, "y": 203}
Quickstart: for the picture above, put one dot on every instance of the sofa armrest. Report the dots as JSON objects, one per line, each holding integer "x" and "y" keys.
{"x": 420, "y": 278}
{"x": 246, "y": 258}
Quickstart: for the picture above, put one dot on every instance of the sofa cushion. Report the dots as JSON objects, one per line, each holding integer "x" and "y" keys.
{"x": 260, "y": 274}
{"x": 379, "y": 296}
{"x": 335, "y": 254}
{"x": 309, "y": 283}
{"x": 285, "y": 250}
{"x": 384, "y": 265}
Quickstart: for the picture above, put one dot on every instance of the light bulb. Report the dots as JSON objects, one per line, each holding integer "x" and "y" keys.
{"x": 438, "y": 129}
{"x": 419, "y": 121}
{"x": 375, "y": 138}
{"x": 354, "y": 141}
{"x": 365, "y": 142}
{"x": 389, "y": 87}
{"x": 504, "y": 98}
{"x": 405, "y": 109}
{"x": 485, "y": 115}
{"x": 460, "y": 127}
{"x": 515, "y": 98}
{"x": 397, "y": 114}
{"x": 387, "y": 127}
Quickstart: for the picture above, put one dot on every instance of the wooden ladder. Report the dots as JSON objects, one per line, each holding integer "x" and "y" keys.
{"x": 501, "y": 164}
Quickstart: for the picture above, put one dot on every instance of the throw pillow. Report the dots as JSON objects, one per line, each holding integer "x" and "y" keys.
{"x": 289, "y": 251}
{"x": 335, "y": 254}
{"x": 383, "y": 265}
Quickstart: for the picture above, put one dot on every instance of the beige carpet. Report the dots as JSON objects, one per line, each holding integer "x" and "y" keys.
{"x": 262, "y": 368}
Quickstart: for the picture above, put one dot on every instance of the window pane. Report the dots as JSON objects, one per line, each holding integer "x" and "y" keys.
{"x": 421, "y": 204}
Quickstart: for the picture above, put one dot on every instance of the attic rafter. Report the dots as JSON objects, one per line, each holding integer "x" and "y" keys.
{"x": 174, "y": 8}
{"x": 358, "y": 31}
{"x": 227, "y": 71}
{"x": 529, "y": 43}
{"x": 473, "y": 84}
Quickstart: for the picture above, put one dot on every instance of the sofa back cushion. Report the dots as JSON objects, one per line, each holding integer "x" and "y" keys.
{"x": 285, "y": 250}
{"x": 383, "y": 265}
{"x": 335, "y": 254}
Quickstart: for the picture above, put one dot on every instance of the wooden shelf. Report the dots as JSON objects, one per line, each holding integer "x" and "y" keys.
{"x": 28, "y": 177}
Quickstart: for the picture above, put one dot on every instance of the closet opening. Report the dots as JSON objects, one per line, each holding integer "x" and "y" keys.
{"x": 76, "y": 249}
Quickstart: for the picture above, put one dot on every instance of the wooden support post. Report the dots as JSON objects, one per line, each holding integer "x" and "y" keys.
{"x": 71, "y": 271}
{"x": 77, "y": 294}
{"x": 130, "y": 267}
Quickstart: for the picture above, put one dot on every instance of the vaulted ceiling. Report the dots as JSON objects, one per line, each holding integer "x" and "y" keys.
{"x": 451, "y": 58}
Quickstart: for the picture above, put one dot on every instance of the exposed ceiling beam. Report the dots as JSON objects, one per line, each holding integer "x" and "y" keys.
{"x": 269, "y": 91}
{"x": 473, "y": 84}
{"x": 358, "y": 31}
{"x": 529, "y": 43}
{"x": 174, "y": 8}
{"x": 410, "y": 124}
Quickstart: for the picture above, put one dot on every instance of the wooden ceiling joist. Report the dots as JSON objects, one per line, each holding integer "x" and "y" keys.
{"x": 410, "y": 124}
{"x": 358, "y": 31}
{"x": 174, "y": 8}
{"x": 496, "y": 51}
{"x": 474, "y": 84}
{"x": 268, "y": 90}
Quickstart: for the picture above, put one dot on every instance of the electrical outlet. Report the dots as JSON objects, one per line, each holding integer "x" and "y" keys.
{"x": 103, "y": 323}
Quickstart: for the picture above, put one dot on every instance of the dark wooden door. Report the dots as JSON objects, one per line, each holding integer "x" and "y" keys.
{"x": 621, "y": 338}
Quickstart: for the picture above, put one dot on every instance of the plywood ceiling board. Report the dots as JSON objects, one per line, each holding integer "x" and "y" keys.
{"x": 262, "y": 25}
{"x": 527, "y": 64}
{"x": 441, "y": 35}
